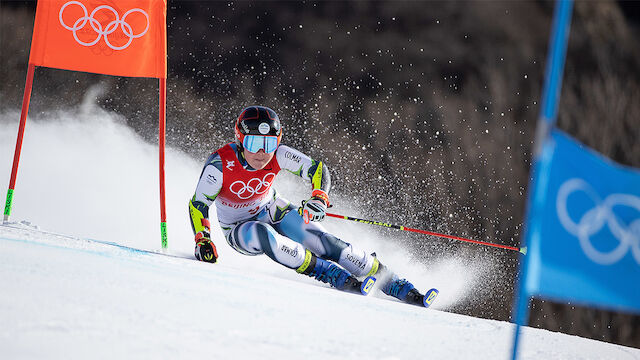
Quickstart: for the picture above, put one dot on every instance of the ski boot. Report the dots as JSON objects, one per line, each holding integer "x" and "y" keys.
{"x": 404, "y": 291}
{"x": 330, "y": 273}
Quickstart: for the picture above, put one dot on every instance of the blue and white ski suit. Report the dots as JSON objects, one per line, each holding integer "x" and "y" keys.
{"x": 256, "y": 220}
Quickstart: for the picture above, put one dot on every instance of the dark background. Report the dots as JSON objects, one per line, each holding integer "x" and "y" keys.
{"x": 424, "y": 111}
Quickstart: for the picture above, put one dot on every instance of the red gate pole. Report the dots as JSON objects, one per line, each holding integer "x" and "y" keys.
{"x": 26, "y": 98}
{"x": 161, "y": 140}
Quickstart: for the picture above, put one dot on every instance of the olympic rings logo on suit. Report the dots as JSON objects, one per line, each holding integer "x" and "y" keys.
{"x": 593, "y": 221}
{"x": 97, "y": 26}
{"x": 252, "y": 187}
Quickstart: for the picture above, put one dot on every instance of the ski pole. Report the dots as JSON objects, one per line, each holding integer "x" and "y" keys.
{"x": 522, "y": 250}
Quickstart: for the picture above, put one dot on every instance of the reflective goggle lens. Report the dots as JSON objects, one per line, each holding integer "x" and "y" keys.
{"x": 255, "y": 143}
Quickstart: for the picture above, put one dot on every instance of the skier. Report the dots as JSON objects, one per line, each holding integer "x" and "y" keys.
{"x": 255, "y": 219}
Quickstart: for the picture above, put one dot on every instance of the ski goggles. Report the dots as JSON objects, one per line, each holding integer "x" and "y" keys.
{"x": 255, "y": 143}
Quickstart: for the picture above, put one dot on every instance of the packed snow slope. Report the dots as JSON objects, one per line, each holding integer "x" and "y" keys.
{"x": 85, "y": 175}
{"x": 69, "y": 298}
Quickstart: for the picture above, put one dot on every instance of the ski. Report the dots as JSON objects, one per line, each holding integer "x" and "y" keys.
{"x": 367, "y": 285}
{"x": 429, "y": 297}
{"x": 415, "y": 298}
{"x": 355, "y": 286}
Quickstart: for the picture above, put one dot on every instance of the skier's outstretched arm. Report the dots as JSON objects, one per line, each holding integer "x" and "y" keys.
{"x": 208, "y": 188}
{"x": 311, "y": 170}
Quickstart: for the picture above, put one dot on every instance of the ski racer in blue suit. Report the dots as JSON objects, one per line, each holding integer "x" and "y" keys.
{"x": 256, "y": 220}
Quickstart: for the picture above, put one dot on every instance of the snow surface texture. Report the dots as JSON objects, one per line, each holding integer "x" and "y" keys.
{"x": 87, "y": 174}
{"x": 68, "y": 298}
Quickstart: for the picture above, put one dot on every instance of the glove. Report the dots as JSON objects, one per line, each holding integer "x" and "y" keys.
{"x": 205, "y": 249}
{"x": 313, "y": 209}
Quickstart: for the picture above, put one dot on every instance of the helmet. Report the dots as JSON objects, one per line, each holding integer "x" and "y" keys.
{"x": 258, "y": 122}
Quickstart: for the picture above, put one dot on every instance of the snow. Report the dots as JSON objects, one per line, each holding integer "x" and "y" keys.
{"x": 85, "y": 175}
{"x": 67, "y": 297}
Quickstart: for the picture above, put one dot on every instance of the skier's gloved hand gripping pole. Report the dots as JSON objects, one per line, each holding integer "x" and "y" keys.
{"x": 315, "y": 208}
{"x": 522, "y": 250}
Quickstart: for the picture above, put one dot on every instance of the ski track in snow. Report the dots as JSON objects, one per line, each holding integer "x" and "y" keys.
{"x": 85, "y": 173}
